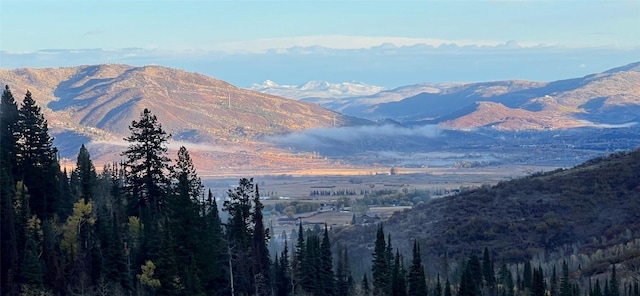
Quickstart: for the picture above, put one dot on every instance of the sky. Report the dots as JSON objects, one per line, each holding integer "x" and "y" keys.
{"x": 387, "y": 43}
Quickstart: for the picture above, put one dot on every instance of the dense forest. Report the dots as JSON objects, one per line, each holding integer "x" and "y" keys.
{"x": 147, "y": 226}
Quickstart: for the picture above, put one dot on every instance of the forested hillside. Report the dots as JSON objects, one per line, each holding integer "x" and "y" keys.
{"x": 146, "y": 226}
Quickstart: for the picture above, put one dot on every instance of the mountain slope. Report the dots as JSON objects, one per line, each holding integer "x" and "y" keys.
{"x": 611, "y": 97}
{"x": 97, "y": 103}
{"x": 594, "y": 204}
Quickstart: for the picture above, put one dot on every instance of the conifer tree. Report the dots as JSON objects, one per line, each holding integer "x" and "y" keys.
{"x": 298, "y": 261}
{"x": 566, "y": 288}
{"x": 326, "y": 280}
{"x": 240, "y": 233}
{"x": 8, "y": 226}
{"x": 614, "y": 286}
{"x": 417, "y": 281}
{"x": 527, "y": 277}
{"x": 553, "y": 283}
{"x": 487, "y": 271}
{"x": 212, "y": 251}
{"x": 538, "y": 287}
{"x": 185, "y": 222}
{"x": 447, "y": 288}
{"x": 36, "y": 159}
{"x": 380, "y": 266}
{"x": 260, "y": 252}
{"x": 437, "y": 290}
{"x": 147, "y": 166}
{"x": 366, "y": 289}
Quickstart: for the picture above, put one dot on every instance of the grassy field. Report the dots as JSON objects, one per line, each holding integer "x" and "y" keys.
{"x": 298, "y": 186}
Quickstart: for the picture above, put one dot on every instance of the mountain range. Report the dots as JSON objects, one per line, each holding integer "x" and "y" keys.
{"x": 603, "y": 99}
{"x": 231, "y": 129}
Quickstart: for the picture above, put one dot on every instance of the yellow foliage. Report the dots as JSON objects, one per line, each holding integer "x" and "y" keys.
{"x": 135, "y": 229}
{"x": 146, "y": 277}
{"x": 82, "y": 215}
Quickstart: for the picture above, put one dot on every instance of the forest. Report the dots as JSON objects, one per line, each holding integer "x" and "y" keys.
{"x": 147, "y": 226}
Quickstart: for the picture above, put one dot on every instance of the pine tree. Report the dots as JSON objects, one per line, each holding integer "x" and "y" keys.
{"x": 212, "y": 254}
{"x": 282, "y": 285}
{"x": 487, "y": 271}
{"x": 185, "y": 222}
{"x": 538, "y": 287}
{"x": 437, "y": 290}
{"x": 366, "y": 290}
{"x": 298, "y": 261}
{"x": 597, "y": 290}
{"x": 527, "y": 277}
{"x": 614, "y": 286}
{"x": 506, "y": 279}
{"x": 8, "y": 226}
{"x": 417, "y": 281}
{"x": 326, "y": 280}
{"x": 447, "y": 288}
{"x": 36, "y": 159}
{"x": 565, "y": 284}
{"x": 553, "y": 285}
{"x": 260, "y": 252}
{"x": 146, "y": 166}
{"x": 380, "y": 266}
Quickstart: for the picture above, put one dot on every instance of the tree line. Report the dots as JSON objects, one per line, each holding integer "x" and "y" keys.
{"x": 146, "y": 226}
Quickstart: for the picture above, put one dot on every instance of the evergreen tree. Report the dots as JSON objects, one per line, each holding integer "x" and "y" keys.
{"x": 380, "y": 266}
{"x": 538, "y": 287}
{"x": 282, "y": 272}
{"x": 417, "y": 281}
{"x": 260, "y": 252}
{"x": 8, "y": 227}
{"x": 344, "y": 281}
{"x": 447, "y": 288}
{"x": 487, "y": 271}
{"x": 597, "y": 290}
{"x": 553, "y": 285}
{"x": 475, "y": 271}
{"x": 311, "y": 265}
{"x": 468, "y": 285}
{"x": 614, "y": 286}
{"x": 437, "y": 290}
{"x": 398, "y": 282}
{"x": 146, "y": 166}
{"x": 212, "y": 251}
{"x": 527, "y": 277}
{"x": 9, "y": 118}
{"x": 326, "y": 279}
{"x": 36, "y": 159}
{"x": 366, "y": 289}
{"x": 86, "y": 173}
{"x": 566, "y": 288}
{"x": 298, "y": 261}
{"x": 506, "y": 279}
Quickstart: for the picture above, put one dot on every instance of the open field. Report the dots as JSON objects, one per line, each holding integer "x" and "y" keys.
{"x": 299, "y": 185}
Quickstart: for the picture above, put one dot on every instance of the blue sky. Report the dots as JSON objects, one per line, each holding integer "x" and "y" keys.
{"x": 592, "y": 35}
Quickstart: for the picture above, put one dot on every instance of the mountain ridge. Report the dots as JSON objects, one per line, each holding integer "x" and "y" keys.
{"x": 96, "y": 103}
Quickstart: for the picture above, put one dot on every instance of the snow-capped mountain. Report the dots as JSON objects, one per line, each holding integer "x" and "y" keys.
{"x": 317, "y": 89}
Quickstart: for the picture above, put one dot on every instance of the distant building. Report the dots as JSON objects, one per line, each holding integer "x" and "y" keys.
{"x": 365, "y": 219}
{"x": 394, "y": 171}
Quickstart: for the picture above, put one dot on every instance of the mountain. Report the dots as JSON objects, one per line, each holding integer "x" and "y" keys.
{"x": 604, "y": 99}
{"x": 317, "y": 89}
{"x": 577, "y": 211}
{"x": 365, "y": 106}
{"x": 97, "y": 103}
